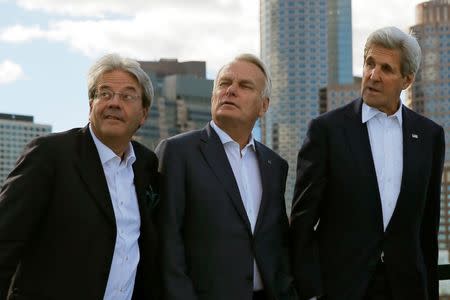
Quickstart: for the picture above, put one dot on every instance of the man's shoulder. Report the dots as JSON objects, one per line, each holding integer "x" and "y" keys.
{"x": 336, "y": 118}
{"x": 185, "y": 138}
{"x": 142, "y": 151}
{"x": 423, "y": 120}
{"x": 350, "y": 108}
{"x": 58, "y": 139}
{"x": 180, "y": 144}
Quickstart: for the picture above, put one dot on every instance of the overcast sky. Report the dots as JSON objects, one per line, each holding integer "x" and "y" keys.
{"x": 47, "y": 46}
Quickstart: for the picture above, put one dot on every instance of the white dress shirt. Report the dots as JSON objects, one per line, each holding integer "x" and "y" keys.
{"x": 386, "y": 142}
{"x": 248, "y": 177}
{"x": 120, "y": 179}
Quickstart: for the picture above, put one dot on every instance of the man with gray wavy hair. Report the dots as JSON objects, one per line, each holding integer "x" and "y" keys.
{"x": 76, "y": 213}
{"x": 366, "y": 206}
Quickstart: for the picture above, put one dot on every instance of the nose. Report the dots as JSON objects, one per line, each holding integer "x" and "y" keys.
{"x": 115, "y": 100}
{"x": 375, "y": 74}
{"x": 231, "y": 90}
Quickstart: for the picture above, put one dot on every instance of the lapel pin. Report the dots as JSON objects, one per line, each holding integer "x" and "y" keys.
{"x": 269, "y": 162}
{"x": 415, "y": 136}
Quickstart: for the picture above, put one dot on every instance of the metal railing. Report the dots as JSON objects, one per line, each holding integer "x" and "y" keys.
{"x": 444, "y": 272}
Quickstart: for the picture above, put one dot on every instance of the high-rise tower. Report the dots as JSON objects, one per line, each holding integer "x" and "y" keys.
{"x": 430, "y": 94}
{"x": 305, "y": 44}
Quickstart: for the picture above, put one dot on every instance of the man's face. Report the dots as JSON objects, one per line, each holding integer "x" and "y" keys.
{"x": 114, "y": 121}
{"x": 382, "y": 80}
{"x": 237, "y": 96}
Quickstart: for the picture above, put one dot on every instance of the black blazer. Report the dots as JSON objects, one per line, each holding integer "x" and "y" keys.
{"x": 337, "y": 184}
{"x": 57, "y": 224}
{"x": 207, "y": 244}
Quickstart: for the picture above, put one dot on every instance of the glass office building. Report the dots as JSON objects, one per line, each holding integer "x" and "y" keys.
{"x": 15, "y": 132}
{"x": 305, "y": 44}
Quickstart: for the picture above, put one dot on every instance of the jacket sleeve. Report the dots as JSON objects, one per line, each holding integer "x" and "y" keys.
{"x": 431, "y": 216}
{"x": 176, "y": 282}
{"x": 308, "y": 193}
{"x": 23, "y": 200}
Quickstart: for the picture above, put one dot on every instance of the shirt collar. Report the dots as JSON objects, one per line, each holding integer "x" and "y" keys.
{"x": 225, "y": 138}
{"x": 369, "y": 112}
{"x": 106, "y": 154}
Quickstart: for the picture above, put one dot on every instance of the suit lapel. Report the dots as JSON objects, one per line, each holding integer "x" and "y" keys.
{"x": 214, "y": 153}
{"x": 264, "y": 168}
{"x": 411, "y": 136}
{"x": 91, "y": 172}
{"x": 139, "y": 183}
{"x": 358, "y": 139}
{"x": 147, "y": 239}
{"x": 410, "y": 145}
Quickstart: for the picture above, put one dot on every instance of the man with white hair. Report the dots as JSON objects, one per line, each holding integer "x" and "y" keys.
{"x": 223, "y": 219}
{"x": 366, "y": 207}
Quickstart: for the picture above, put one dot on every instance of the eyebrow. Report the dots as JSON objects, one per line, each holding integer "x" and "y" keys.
{"x": 106, "y": 86}
{"x": 240, "y": 81}
{"x": 247, "y": 81}
{"x": 384, "y": 65}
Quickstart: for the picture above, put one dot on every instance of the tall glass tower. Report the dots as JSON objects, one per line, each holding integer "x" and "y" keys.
{"x": 296, "y": 36}
{"x": 340, "y": 42}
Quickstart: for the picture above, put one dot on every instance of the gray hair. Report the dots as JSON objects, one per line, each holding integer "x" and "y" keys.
{"x": 113, "y": 62}
{"x": 253, "y": 59}
{"x": 394, "y": 38}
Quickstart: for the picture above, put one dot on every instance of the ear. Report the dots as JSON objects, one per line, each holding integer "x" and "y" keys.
{"x": 407, "y": 80}
{"x": 264, "y": 106}
{"x": 90, "y": 108}
{"x": 144, "y": 116}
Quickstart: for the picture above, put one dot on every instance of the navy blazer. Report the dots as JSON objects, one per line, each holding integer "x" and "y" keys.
{"x": 337, "y": 233}
{"x": 208, "y": 248}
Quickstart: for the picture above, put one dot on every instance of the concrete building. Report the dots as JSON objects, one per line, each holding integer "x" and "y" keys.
{"x": 182, "y": 99}
{"x": 336, "y": 95}
{"x": 15, "y": 132}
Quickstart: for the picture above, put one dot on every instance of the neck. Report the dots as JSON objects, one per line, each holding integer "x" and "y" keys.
{"x": 238, "y": 133}
{"x": 118, "y": 147}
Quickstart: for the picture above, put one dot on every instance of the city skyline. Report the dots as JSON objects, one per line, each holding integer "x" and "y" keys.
{"x": 46, "y": 46}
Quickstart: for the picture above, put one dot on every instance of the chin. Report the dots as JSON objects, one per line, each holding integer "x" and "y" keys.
{"x": 371, "y": 101}
{"x": 112, "y": 131}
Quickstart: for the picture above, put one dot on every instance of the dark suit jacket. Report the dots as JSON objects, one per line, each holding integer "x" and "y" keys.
{"x": 336, "y": 183}
{"x": 57, "y": 224}
{"x": 207, "y": 244}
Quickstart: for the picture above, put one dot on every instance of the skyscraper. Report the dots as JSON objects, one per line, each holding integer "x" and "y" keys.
{"x": 430, "y": 94}
{"x": 301, "y": 41}
{"x": 340, "y": 42}
{"x": 15, "y": 132}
